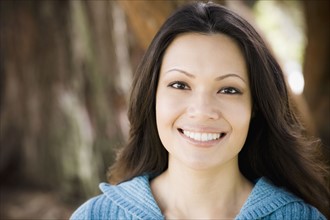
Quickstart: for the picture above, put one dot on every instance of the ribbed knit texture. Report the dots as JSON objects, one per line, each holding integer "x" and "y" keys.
{"x": 133, "y": 200}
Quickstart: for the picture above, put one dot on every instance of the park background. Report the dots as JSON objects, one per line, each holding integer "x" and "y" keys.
{"x": 65, "y": 73}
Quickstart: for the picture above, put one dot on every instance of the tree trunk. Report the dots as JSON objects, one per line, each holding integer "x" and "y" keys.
{"x": 317, "y": 66}
{"x": 59, "y": 96}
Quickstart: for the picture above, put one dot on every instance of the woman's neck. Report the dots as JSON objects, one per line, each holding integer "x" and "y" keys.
{"x": 182, "y": 192}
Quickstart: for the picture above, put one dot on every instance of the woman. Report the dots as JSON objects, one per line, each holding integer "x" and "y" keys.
{"x": 213, "y": 134}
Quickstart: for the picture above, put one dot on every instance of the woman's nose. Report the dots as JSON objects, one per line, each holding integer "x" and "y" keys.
{"x": 203, "y": 107}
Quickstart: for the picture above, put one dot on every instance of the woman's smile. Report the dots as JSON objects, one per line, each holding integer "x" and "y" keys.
{"x": 201, "y": 136}
{"x": 204, "y": 137}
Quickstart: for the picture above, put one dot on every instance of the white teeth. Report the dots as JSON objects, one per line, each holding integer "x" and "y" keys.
{"x": 202, "y": 136}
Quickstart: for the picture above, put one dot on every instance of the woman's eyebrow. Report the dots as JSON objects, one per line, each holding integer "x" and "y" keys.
{"x": 229, "y": 75}
{"x": 217, "y": 78}
{"x": 181, "y": 71}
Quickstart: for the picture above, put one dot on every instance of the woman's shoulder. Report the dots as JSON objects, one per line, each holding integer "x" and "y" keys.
{"x": 92, "y": 209}
{"x": 128, "y": 200}
{"x": 268, "y": 201}
{"x": 297, "y": 210}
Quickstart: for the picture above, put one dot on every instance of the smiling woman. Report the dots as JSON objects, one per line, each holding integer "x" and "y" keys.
{"x": 202, "y": 93}
{"x": 213, "y": 134}
{"x": 203, "y": 112}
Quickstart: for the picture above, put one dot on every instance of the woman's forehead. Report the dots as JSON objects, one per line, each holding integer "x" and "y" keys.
{"x": 194, "y": 52}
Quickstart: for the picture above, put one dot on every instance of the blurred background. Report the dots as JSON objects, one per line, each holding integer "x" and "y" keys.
{"x": 65, "y": 75}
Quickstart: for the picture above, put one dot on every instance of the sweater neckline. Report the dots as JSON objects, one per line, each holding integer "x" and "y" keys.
{"x": 135, "y": 197}
{"x": 264, "y": 199}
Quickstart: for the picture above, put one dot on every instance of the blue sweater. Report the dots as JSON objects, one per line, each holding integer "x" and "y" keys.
{"x": 133, "y": 200}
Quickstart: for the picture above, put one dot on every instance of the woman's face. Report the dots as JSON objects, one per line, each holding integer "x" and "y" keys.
{"x": 203, "y": 101}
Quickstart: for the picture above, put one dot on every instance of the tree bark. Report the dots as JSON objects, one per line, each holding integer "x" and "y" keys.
{"x": 59, "y": 99}
{"x": 317, "y": 66}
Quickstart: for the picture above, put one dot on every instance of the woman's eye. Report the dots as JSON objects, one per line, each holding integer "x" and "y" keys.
{"x": 230, "y": 91}
{"x": 179, "y": 85}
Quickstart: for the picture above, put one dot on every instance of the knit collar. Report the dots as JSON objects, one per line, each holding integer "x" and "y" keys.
{"x": 135, "y": 197}
{"x": 264, "y": 199}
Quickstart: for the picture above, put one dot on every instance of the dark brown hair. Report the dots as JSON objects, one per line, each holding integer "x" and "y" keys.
{"x": 275, "y": 146}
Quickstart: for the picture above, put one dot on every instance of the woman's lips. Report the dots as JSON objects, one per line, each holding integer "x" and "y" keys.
{"x": 202, "y": 137}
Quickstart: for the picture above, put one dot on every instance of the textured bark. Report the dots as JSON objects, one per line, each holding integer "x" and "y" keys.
{"x": 317, "y": 66}
{"x": 59, "y": 100}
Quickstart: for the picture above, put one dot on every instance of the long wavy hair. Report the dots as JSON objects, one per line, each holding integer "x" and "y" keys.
{"x": 276, "y": 146}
